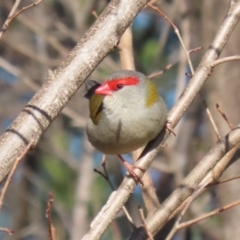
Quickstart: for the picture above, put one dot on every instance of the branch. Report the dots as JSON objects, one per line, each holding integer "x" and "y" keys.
{"x": 51, "y": 229}
{"x": 207, "y": 215}
{"x": 12, "y": 16}
{"x": 159, "y": 73}
{"x": 181, "y": 80}
{"x": 191, "y": 182}
{"x": 189, "y": 201}
{"x": 224, "y": 116}
{"x": 224, "y": 60}
{"x": 127, "y": 61}
{"x": 118, "y": 198}
{"x": 6, "y": 230}
{"x": 61, "y": 85}
{"x": 144, "y": 222}
{"x": 126, "y": 50}
{"x": 105, "y": 175}
{"x": 211, "y": 177}
{"x": 9, "y": 178}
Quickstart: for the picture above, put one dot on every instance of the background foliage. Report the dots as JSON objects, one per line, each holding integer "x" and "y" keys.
{"x": 63, "y": 161}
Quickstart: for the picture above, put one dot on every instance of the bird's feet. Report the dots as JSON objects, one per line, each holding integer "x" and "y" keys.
{"x": 130, "y": 168}
{"x": 169, "y": 127}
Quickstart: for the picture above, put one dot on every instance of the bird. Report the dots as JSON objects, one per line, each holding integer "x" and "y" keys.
{"x": 126, "y": 112}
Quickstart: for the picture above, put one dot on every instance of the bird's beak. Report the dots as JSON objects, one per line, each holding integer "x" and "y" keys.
{"x": 104, "y": 89}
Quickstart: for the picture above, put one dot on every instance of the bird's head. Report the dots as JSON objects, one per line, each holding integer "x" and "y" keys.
{"x": 125, "y": 88}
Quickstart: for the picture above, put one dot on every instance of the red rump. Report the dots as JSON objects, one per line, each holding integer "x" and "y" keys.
{"x": 114, "y": 84}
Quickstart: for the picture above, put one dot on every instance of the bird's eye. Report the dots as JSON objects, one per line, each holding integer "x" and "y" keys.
{"x": 119, "y": 86}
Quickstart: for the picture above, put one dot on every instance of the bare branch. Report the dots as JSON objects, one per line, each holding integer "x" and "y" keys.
{"x": 195, "y": 50}
{"x": 61, "y": 84}
{"x": 51, "y": 230}
{"x": 224, "y": 116}
{"x": 8, "y": 231}
{"x": 178, "y": 197}
{"x": 94, "y": 13}
{"x": 189, "y": 201}
{"x": 157, "y": 74}
{"x": 207, "y": 215}
{"x": 187, "y": 53}
{"x": 127, "y": 61}
{"x": 223, "y": 181}
{"x": 9, "y": 178}
{"x": 224, "y": 60}
{"x": 12, "y": 16}
{"x": 211, "y": 177}
{"x": 190, "y": 183}
{"x": 126, "y": 50}
{"x": 105, "y": 175}
{"x": 177, "y": 33}
{"x": 195, "y": 84}
{"x": 17, "y": 72}
{"x": 144, "y": 223}
{"x": 214, "y": 126}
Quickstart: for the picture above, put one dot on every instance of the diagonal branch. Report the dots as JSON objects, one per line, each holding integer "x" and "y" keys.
{"x": 61, "y": 84}
{"x": 190, "y": 183}
{"x": 12, "y": 15}
{"x": 118, "y": 198}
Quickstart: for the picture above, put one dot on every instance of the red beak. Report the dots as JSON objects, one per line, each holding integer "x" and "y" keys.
{"x": 104, "y": 89}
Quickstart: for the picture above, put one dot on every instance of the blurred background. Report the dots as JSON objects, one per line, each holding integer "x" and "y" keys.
{"x": 63, "y": 161}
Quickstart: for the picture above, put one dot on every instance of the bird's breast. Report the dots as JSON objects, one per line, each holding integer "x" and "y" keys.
{"x": 122, "y": 129}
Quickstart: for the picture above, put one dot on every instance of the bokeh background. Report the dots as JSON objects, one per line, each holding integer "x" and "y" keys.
{"x": 63, "y": 161}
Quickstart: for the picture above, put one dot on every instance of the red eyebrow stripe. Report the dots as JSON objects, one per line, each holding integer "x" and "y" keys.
{"x": 124, "y": 81}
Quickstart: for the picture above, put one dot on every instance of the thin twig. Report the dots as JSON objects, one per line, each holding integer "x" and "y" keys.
{"x": 76, "y": 118}
{"x": 224, "y": 60}
{"x": 159, "y": 73}
{"x": 174, "y": 229}
{"x": 210, "y": 214}
{"x": 176, "y": 30}
{"x": 10, "y": 232}
{"x": 195, "y": 50}
{"x": 12, "y": 16}
{"x": 127, "y": 62}
{"x": 189, "y": 201}
{"x": 25, "y": 8}
{"x": 144, "y": 223}
{"x": 210, "y": 117}
{"x": 9, "y": 178}
{"x": 29, "y": 23}
{"x": 151, "y": 2}
{"x": 207, "y": 182}
{"x": 51, "y": 230}
{"x": 211, "y": 176}
{"x": 6, "y": 23}
{"x": 177, "y": 33}
{"x": 188, "y": 75}
{"x": 223, "y": 181}
{"x": 105, "y": 175}
{"x": 94, "y": 13}
{"x": 224, "y": 116}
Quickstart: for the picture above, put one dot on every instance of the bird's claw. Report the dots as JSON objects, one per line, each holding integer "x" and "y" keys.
{"x": 130, "y": 168}
{"x": 169, "y": 127}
